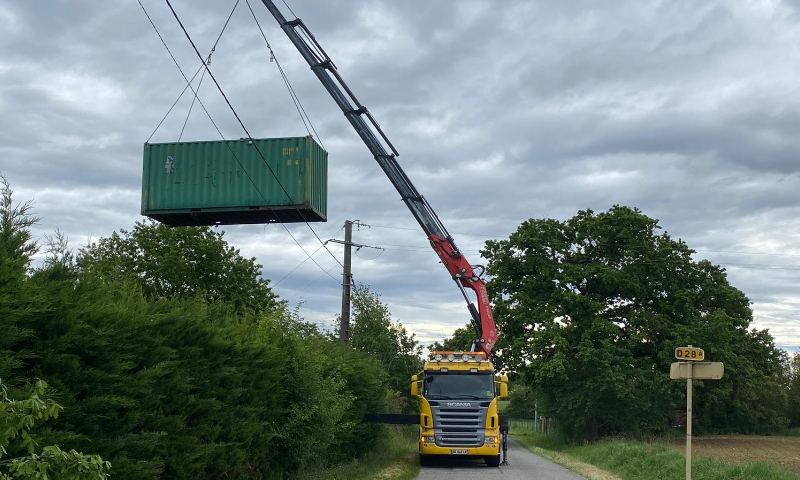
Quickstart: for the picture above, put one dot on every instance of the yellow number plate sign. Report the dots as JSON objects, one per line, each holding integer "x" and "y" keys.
{"x": 690, "y": 354}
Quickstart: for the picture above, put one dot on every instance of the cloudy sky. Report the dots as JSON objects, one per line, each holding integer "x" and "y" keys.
{"x": 501, "y": 111}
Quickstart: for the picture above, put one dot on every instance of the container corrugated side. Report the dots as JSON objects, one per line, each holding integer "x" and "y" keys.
{"x": 235, "y": 182}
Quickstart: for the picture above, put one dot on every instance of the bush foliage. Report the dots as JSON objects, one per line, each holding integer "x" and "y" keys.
{"x": 178, "y": 374}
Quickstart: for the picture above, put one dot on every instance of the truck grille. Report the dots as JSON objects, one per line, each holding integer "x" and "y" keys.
{"x": 461, "y": 426}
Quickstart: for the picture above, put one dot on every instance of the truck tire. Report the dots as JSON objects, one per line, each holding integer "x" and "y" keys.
{"x": 492, "y": 460}
{"x": 425, "y": 460}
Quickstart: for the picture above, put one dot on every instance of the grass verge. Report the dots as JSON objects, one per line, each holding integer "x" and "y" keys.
{"x": 632, "y": 460}
{"x": 393, "y": 459}
{"x": 552, "y": 448}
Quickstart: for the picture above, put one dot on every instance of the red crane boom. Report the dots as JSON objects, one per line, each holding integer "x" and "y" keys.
{"x": 462, "y": 272}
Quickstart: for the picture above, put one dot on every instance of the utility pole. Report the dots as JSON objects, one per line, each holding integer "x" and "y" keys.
{"x": 347, "y": 275}
{"x": 347, "y": 280}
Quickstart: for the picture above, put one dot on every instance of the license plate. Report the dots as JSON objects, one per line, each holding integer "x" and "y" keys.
{"x": 458, "y": 452}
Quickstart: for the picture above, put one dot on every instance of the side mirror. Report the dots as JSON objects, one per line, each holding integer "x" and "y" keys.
{"x": 414, "y": 386}
{"x": 503, "y": 386}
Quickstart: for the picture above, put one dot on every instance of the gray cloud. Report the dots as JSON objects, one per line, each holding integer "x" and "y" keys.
{"x": 501, "y": 112}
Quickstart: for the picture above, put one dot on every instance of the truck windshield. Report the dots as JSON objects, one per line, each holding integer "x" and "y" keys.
{"x": 442, "y": 386}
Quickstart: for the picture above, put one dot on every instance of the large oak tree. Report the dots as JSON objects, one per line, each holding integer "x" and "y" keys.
{"x": 591, "y": 310}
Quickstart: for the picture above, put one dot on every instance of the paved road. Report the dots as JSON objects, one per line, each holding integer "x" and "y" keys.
{"x": 523, "y": 465}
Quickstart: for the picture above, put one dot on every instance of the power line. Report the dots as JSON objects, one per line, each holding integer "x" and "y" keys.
{"x": 301, "y": 110}
{"x": 359, "y": 245}
{"x": 304, "y": 261}
{"x": 188, "y": 82}
{"x": 383, "y": 250}
{"x": 295, "y": 99}
{"x": 249, "y": 136}
{"x": 456, "y": 233}
{"x": 290, "y": 8}
{"x": 188, "y": 85}
{"x": 322, "y": 245}
{"x": 173, "y": 103}
{"x": 761, "y": 266}
{"x": 298, "y": 266}
{"x": 208, "y": 60}
{"x": 327, "y": 272}
{"x": 748, "y": 253}
{"x": 416, "y": 247}
{"x": 191, "y": 106}
{"x": 208, "y": 114}
{"x": 495, "y": 237}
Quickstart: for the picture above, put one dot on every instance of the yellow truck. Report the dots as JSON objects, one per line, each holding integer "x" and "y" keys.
{"x": 458, "y": 394}
{"x": 458, "y": 391}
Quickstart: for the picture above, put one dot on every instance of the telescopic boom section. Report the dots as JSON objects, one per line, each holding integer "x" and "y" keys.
{"x": 460, "y": 269}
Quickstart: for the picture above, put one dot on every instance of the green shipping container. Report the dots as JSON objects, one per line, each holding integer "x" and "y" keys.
{"x": 235, "y": 182}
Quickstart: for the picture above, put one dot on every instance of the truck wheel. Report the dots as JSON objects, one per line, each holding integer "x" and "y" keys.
{"x": 425, "y": 460}
{"x": 492, "y": 460}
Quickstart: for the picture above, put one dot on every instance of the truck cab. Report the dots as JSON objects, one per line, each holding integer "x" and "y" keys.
{"x": 459, "y": 416}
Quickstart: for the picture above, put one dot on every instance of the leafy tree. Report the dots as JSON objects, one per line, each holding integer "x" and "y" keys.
{"x": 16, "y": 242}
{"x": 333, "y": 387}
{"x": 18, "y": 418}
{"x": 372, "y": 331}
{"x": 793, "y": 384}
{"x": 592, "y": 308}
{"x": 180, "y": 262}
{"x": 462, "y": 340}
{"x": 521, "y": 402}
{"x": 17, "y": 300}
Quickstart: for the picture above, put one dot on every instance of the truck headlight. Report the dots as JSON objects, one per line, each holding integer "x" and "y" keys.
{"x": 490, "y": 440}
{"x": 428, "y": 439}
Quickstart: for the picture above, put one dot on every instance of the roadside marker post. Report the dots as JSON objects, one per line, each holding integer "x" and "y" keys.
{"x": 693, "y": 368}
